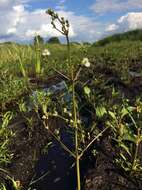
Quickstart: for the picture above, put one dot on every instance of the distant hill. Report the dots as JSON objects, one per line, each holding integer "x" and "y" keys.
{"x": 133, "y": 35}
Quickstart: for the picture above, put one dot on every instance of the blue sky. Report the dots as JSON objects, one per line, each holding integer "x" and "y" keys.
{"x": 90, "y": 20}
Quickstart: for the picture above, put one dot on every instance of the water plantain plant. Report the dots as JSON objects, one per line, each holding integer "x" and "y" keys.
{"x": 68, "y": 112}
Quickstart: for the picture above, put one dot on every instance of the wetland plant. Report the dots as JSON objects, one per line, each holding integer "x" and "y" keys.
{"x": 70, "y": 112}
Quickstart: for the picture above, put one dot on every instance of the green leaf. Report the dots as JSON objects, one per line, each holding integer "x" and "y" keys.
{"x": 87, "y": 90}
{"x": 123, "y": 157}
{"x": 122, "y": 145}
{"x": 100, "y": 111}
{"x": 141, "y": 137}
{"x": 124, "y": 112}
{"x": 3, "y": 187}
{"x": 130, "y": 137}
{"x": 114, "y": 93}
{"x": 112, "y": 115}
{"x": 130, "y": 108}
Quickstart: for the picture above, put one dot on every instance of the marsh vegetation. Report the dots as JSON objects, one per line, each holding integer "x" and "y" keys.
{"x": 82, "y": 100}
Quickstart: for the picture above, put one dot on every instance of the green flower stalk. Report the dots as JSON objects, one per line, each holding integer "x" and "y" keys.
{"x": 65, "y": 31}
{"x": 38, "y": 58}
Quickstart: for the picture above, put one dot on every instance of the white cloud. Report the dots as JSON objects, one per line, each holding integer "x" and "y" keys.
{"x": 10, "y": 18}
{"x": 130, "y": 21}
{"x": 7, "y": 4}
{"x": 11, "y": 31}
{"x": 107, "y": 6}
{"x": 111, "y": 27}
{"x": 18, "y": 23}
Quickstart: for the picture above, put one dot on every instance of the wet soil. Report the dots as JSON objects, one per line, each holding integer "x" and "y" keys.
{"x": 54, "y": 168}
{"x": 26, "y": 146}
{"x": 106, "y": 174}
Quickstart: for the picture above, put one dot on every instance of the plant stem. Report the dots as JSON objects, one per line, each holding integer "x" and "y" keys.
{"x": 136, "y": 149}
{"x": 76, "y": 137}
{"x": 100, "y": 134}
{"x": 135, "y": 156}
{"x": 66, "y": 77}
{"x": 59, "y": 141}
{"x": 74, "y": 115}
{"x": 78, "y": 173}
{"x": 69, "y": 57}
{"x": 65, "y": 31}
{"x": 38, "y": 57}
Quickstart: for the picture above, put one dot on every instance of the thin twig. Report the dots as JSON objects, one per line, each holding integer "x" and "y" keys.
{"x": 136, "y": 150}
{"x": 85, "y": 83}
{"x": 61, "y": 74}
{"x": 77, "y": 74}
{"x": 59, "y": 30}
{"x": 4, "y": 171}
{"x": 100, "y": 134}
{"x": 62, "y": 144}
{"x": 40, "y": 178}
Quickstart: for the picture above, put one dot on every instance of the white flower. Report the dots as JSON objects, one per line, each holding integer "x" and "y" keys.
{"x": 79, "y": 121}
{"x": 70, "y": 114}
{"x": 45, "y": 117}
{"x": 86, "y": 62}
{"x": 65, "y": 110}
{"x": 46, "y": 52}
{"x": 71, "y": 121}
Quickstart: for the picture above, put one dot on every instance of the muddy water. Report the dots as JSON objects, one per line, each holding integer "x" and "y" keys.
{"x": 57, "y": 167}
{"x": 55, "y": 170}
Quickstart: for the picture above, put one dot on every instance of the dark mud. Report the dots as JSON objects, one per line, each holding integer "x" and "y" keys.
{"x": 106, "y": 174}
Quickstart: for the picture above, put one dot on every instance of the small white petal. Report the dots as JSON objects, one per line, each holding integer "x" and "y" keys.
{"x": 86, "y": 62}
{"x": 46, "y": 52}
{"x": 65, "y": 110}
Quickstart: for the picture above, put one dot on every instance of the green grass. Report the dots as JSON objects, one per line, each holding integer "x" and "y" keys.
{"x": 10, "y": 89}
{"x": 18, "y": 61}
{"x": 5, "y": 136}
